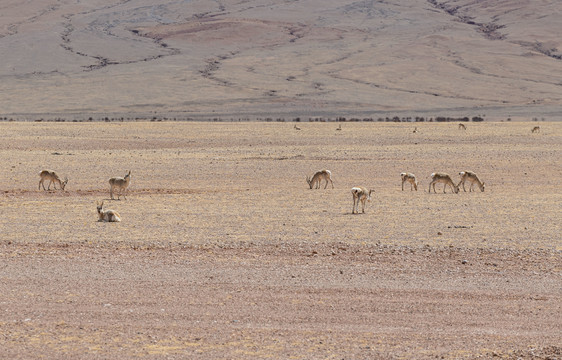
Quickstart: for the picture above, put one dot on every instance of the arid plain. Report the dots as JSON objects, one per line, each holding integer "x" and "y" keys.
{"x": 225, "y": 252}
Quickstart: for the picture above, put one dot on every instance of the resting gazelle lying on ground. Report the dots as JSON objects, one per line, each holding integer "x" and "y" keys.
{"x": 107, "y": 215}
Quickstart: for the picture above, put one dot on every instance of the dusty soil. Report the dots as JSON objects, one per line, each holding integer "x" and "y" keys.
{"x": 224, "y": 251}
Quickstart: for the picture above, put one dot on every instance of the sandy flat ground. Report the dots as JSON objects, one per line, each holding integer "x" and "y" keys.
{"x": 225, "y": 252}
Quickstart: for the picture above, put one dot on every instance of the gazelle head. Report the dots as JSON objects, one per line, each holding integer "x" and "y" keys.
{"x": 483, "y": 187}
{"x": 369, "y": 196}
{"x": 99, "y": 207}
{"x": 309, "y": 181}
{"x": 63, "y": 183}
{"x": 128, "y": 175}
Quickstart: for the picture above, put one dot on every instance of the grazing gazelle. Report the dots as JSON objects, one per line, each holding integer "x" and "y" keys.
{"x": 445, "y": 179}
{"x": 360, "y": 194}
{"x": 462, "y": 126}
{"x": 121, "y": 183}
{"x": 411, "y": 178}
{"x": 318, "y": 177}
{"x": 473, "y": 178}
{"x": 296, "y": 127}
{"x": 536, "y": 129}
{"x": 107, "y": 215}
{"x": 53, "y": 179}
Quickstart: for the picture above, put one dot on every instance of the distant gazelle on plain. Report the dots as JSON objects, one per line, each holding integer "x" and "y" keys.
{"x": 53, "y": 179}
{"x": 107, "y": 215}
{"x": 411, "y": 178}
{"x": 536, "y": 129}
{"x": 120, "y": 183}
{"x": 472, "y": 178}
{"x": 462, "y": 126}
{"x": 445, "y": 179}
{"x": 360, "y": 194}
{"x": 318, "y": 177}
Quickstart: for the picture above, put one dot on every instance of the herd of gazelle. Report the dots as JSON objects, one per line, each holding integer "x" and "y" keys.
{"x": 362, "y": 195}
{"x": 115, "y": 183}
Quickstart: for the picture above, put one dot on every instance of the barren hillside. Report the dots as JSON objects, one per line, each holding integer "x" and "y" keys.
{"x": 259, "y": 58}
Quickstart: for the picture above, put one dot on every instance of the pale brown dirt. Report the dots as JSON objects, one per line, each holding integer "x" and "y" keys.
{"x": 224, "y": 251}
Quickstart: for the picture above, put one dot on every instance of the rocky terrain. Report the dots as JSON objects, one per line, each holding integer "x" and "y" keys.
{"x": 225, "y": 252}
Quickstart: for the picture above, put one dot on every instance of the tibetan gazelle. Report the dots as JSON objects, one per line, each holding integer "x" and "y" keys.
{"x": 53, "y": 179}
{"x": 536, "y": 129}
{"x": 121, "y": 183}
{"x": 107, "y": 215}
{"x": 411, "y": 178}
{"x": 462, "y": 126}
{"x": 318, "y": 177}
{"x": 473, "y": 178}
{"x": 445, "y": 179}
{"x": 360, "y": 194}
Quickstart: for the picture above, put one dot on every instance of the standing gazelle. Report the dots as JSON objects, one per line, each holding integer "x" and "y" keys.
{"x": 445, "y": 179}
{"x": 360, "y": 194}
{"x": 120, "y": 183}
{"x": 53, "y": 179}
{"x": 473, "y": 178}
{"x": 318, "y": 177}
{"x": 107, "y": 215}
{"x": 411, "y": 178}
